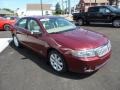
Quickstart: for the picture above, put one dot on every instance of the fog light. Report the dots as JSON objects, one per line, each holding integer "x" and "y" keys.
{"x": 88, "y": 70}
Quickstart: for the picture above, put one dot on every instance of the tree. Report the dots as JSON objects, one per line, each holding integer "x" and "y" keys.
{"x": 115, "y": 2}
{"x": 58, "y": 9}
{"x": 111, "y": 2}
{"x": 9, "y": 10}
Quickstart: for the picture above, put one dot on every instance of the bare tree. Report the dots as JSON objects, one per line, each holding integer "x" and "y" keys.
{"x": 111, "y": 2}
{"x": 116, "y": 2}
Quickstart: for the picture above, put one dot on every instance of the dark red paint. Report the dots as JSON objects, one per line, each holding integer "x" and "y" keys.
{"x": 64, "y": 42}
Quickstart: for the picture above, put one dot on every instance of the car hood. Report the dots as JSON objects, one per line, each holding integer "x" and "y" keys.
{"x": 80, "y": 39}
{"x": 117, "y": 12}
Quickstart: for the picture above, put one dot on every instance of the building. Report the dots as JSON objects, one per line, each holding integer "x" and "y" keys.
{"x": 36, "y": 9}
{"x": 85, "y": 4}
{"x": 116, "y": 4}
{"x": 5, "y": 13}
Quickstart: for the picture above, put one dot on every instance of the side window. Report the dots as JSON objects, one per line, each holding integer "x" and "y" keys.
{"x": 33, "y": 26}
{"x": 107, "y": 11}
{"x": 12, "y": 18}
{"x": 62, "y": 22}
{"x": 104, "y": 10}
{"x": 22, "y": 23}
{"x": 95, "y": 9}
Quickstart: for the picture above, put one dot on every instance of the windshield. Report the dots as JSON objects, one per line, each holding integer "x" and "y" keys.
{"x": 54, "y": 25}
{"x": 113, "y": 8}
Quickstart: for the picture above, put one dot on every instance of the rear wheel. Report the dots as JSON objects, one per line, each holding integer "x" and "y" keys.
{"x": 57, "y": 62}
{"x": 116, "y": 23}
{"x": 87, "y": 23}
{"x": 6, "y": 27}
{"x": 16, "y": 41}
{"x": 81, "y": 22}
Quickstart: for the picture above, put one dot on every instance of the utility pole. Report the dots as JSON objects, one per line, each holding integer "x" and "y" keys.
{"x": 117, "y": 2}
{"x": 95, "y": 2}
{"x": 69, "y": 6}
{"x": 90, "y": 3}
{"x": 41, "y": 7}
{"x": 66, "y": 7}
{"x": 62, "y": 8}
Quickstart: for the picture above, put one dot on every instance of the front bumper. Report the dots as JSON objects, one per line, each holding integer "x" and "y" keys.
{"x": 84, "y": 65}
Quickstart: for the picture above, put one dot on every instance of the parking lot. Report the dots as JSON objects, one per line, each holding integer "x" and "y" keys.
{"x": 22, "y": 69}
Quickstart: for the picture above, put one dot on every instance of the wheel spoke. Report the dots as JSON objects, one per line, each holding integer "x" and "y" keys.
{"x": 52, "y": 57}
{"x": 60, "y": 67}
{"x": 59, "y": 61}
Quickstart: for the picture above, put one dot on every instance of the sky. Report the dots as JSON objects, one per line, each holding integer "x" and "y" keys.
{"x": 21, "y": 4}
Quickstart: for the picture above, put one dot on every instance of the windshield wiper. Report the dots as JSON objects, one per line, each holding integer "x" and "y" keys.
{"x": 67, "y": 30}
{"x": 63, "y": 31}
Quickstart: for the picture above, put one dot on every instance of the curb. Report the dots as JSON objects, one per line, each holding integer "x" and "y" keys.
{"x": 4, "y": 42}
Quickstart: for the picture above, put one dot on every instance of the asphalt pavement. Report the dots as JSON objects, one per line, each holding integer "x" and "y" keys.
{"x": 22, "y": 69}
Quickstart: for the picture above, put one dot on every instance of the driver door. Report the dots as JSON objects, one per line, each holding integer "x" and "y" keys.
{"x": 35, "y": 39}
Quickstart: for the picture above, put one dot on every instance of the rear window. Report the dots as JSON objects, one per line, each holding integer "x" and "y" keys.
{"x": 93, "y": 9}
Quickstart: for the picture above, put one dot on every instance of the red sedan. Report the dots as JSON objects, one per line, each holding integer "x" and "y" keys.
{"x": 5, "y": 23}
{"x": 66, "y": 46}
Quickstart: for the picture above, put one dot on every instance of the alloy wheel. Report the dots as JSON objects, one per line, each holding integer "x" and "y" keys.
{"x": 57, "y": 62}
{"x": 80, "y": 22}
{"x": 16, "y": 42}
{"x": 116, "y": 23}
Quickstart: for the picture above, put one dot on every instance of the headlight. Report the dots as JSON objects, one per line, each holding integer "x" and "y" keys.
{"x": 100, "y": 51}
{"x": 84, "y": 53}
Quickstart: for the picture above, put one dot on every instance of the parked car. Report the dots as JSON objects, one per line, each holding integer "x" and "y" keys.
{"x": 12, "y": 18}
{"x": 102, "y": 14}
{"x": 66, "y": 46}
{"x": 5, "y": 24}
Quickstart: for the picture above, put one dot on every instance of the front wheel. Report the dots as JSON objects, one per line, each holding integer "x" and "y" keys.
{"x": 116, "y": 23}
{"x": 57, "y": 62}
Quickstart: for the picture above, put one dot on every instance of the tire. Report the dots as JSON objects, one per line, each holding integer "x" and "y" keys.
{"x": 81, "y": 22}
{"x": 57, "y": 62}
{"x": 116, "y": 23}
{"x": 6, "y": 27}
{"x": 16, "y": 41}
{"x": 87, "y": 23}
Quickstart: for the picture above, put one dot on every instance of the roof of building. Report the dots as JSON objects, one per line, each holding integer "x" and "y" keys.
{"x": 38, "y": 6}
{"x": 5, "y": 12}
{"x": 97, "y": 1}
